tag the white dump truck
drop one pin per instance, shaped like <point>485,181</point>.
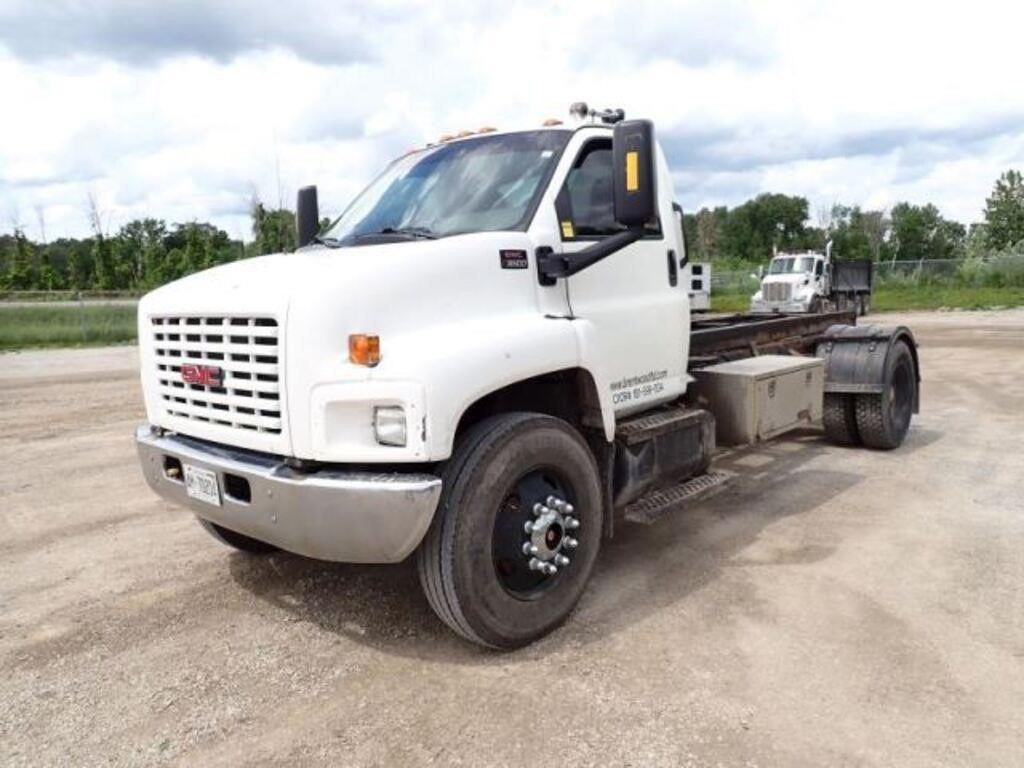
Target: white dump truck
<point>814,282</point>
<point>488,363</point>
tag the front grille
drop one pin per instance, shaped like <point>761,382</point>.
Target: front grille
<point>244,348</point>
<point>777,291</point>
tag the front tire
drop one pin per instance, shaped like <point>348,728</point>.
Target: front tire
<point>474,564</point>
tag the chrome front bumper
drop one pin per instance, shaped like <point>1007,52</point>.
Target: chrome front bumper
<point>353,517</point>
<point>769,307</point>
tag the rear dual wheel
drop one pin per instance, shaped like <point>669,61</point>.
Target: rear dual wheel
<point>879,420</point>
<point>840,419</point>
<point>884,419</point>
<point>517,530</point>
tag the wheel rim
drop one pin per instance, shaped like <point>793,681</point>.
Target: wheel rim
<point>534,538</point>
<point>901,397</point>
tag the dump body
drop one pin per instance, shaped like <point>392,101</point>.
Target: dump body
<point>853,276</point>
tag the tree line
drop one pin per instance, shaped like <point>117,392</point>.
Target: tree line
<point>142,254</point>
<point>752,231</point>
<point>148,252</point>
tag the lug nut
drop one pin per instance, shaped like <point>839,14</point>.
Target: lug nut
<point>529,549</point>
<point>568,508</point>
<point>571,543</point>
<point>528,527</point>
<point>539,509</point>
<point>561,560</point>
<point>571,523</point>
<point>550,569</point>
<point>536,565</point>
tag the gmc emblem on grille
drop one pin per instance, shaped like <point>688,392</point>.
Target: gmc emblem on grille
<point>205,375</point>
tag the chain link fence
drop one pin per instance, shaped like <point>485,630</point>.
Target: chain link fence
<point>996,271</point>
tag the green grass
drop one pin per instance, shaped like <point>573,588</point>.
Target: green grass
<point>731,301</point>
<point>893,298</point>
<point>72,325</point>
<point>65,325</point>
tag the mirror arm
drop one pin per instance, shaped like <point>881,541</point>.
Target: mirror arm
<point>554,265</point>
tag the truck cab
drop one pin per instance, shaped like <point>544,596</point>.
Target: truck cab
<point>484,360</point>
<point>793,282</point>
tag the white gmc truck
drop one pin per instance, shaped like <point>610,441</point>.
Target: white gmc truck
<point>487,361</point>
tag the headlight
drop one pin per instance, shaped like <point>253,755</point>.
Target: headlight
<point>389,425</point>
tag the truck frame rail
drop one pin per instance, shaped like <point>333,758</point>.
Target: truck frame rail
<point>719,338</point>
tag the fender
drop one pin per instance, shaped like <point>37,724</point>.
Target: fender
<point>499,351</point>
<point>856,357</point>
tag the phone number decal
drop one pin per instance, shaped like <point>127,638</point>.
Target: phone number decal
<point>638,387</point>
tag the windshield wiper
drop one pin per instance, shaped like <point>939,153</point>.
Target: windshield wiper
<point>330,242</point>
<point>417,233</point>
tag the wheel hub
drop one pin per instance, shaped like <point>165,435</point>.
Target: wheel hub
<point>549,535</point>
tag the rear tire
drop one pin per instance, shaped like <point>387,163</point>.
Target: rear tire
<point>237,540</point>
<point>840,419</point>
<point>471,563</point>
<point>884,419</point>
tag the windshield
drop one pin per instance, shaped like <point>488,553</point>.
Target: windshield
<point>484,184</point>
<point>791,265</point>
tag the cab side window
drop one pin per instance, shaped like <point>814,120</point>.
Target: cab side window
<point>585,201</point>
<point>585,204</point>
<point>819,268</point>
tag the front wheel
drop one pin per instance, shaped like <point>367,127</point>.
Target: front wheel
<point>517,531</point>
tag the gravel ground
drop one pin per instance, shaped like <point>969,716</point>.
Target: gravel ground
<point>834,607</point>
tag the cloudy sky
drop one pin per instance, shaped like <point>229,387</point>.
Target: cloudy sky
<point>182,110</point>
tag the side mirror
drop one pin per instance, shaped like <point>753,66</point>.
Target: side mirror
<point>307,216</point>
<point>635,187</point>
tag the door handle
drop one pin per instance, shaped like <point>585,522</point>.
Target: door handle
<point>673,269</point>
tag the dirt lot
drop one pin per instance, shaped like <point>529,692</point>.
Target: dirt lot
<point>835,607</point>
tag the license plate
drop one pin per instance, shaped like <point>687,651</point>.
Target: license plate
<point>201,484</point>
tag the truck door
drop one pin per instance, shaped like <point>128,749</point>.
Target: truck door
<point>631,308</point>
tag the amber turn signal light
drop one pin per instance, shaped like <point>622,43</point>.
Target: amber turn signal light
<point>364,349</point>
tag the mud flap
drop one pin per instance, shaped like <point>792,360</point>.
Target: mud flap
<point>856,358</point>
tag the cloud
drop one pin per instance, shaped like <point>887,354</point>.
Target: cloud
<point>687,33</point>
<point>143,32</point>
<point>746,149</point>
<point>182,110</point>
